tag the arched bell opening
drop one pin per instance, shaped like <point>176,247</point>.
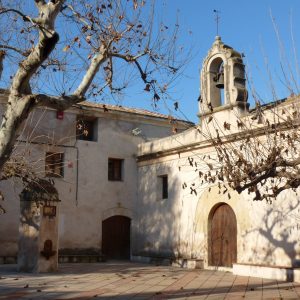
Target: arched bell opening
<point>217,82</point>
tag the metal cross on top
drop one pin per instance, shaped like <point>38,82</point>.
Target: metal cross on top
<point>217,19</point>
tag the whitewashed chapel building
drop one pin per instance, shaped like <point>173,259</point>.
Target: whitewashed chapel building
<point>128,189</point>
<point>191,219</point>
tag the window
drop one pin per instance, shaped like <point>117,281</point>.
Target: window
<point>164,186</point>
<point>115,169</point>
<point>86,129</point>
<point>54,166</point>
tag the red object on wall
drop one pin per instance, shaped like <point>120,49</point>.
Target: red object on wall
<point>60,115</point>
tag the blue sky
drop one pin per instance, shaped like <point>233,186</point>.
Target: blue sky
<point>244,25</point>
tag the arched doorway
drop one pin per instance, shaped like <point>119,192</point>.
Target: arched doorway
<point>116,237</point>
<point>222,236</point>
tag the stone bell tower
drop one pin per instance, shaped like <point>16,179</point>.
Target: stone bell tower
<point>223,82</point>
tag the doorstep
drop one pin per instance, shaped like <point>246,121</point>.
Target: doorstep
<point>268,272</point>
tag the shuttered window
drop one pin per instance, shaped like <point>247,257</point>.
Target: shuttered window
<point>54,164</point>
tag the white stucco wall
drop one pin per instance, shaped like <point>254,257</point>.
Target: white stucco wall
<point>267,234</point>
<point>87,196</point>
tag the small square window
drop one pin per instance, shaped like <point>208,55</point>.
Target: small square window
<point>115,169</point>
<point>54,164</point>
<point>164,186</point>
<point>86,129</point>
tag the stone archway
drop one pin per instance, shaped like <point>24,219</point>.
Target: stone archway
<point>222,236</point>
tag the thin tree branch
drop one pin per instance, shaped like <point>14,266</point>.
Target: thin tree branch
<point>14,49</point>
<point>129,58</point>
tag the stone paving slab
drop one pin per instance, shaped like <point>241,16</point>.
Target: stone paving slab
<point>125,281</point>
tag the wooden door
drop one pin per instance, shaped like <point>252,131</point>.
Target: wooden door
<point>223,237</point>
<point>116,237</point>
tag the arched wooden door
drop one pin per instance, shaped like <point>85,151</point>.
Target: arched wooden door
<point>116,237</point>
<point>222,250</point>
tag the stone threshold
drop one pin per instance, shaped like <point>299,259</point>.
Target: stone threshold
<point>219,268</point>
<point>269,272</point>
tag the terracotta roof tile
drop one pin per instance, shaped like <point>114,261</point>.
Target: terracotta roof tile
<point>120,108</point>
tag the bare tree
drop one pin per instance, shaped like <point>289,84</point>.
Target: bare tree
<point>258,153</point>
<point>54,53</point>
<point>255,150</point>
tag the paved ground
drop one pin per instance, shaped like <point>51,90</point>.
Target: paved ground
<point>119,280</point>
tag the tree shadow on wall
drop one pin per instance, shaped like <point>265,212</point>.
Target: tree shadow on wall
<point>280,226</point>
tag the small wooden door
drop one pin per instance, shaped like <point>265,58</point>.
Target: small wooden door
<point>222,237</point>
<point>116,237</point>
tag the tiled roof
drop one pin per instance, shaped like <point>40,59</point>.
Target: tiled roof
<point>119,108</point>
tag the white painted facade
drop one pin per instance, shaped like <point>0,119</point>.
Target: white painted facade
<point>87,196</point>
<point>163,227</point>
<point>179,227</point>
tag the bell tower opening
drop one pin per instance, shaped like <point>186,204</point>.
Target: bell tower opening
<point>223,82</point>
<point>216,82</point>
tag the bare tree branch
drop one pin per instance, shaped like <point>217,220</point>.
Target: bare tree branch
<point>96,62</point>
<point>2,56</point>
<point>101,33</point>
<point>14,49</point>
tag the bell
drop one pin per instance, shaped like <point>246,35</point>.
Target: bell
<point>219,79</point>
